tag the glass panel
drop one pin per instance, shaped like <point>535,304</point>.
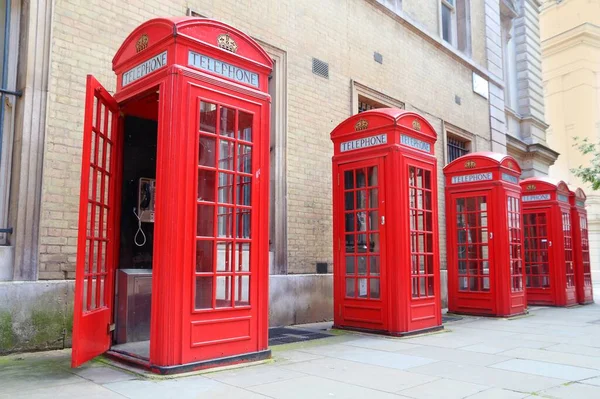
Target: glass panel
<point>226,154</point>
<point>362,288</point>
<point>361,200</point>
<point>204,289</point>
<point>372,176</point>
<point>430,290</point>
<point>373,220</point>
<point>225,221</point>
<point>360,178</point>
<point>373,198</point>
<point>374,288</point>
<point>223,297</point>
<point>224,256</point>
<point>244,158</point>
<point>446,24</point>
<point>374,242</point>
<point>462,283</point>
<point>374,265</point>
<point>244,126</point>
<point>349,222</point>
<point>362,265</point>
<point>243,257</point>
<point>244,190</point>
<point>243,217</point>
<point>350,247</point>
<point>486,284</point>
<point>473,283</point>
<point>350,287</point>
<point>208,117</point>
<point>242,297</point>
<point>350,266</point>
<point>349,201</point>
<point>205,221</point>
<point>349,179</point>
<point>226,121</point>
<point>204,256</point>
<point>206,152</point>
<point>226,188</point>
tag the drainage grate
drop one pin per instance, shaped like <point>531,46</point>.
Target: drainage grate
<point>320,68</point>
<point>287,335</point>
<point>448,319</point>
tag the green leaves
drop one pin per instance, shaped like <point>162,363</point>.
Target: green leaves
<point>590,173</point>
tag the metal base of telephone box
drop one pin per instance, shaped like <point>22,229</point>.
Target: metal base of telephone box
<point>134,297</point>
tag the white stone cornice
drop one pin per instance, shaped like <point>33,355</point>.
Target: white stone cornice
<point>585,33</point>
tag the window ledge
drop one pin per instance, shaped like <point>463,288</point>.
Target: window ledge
<point>416,27</point>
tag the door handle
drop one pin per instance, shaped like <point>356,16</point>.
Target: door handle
<point>549,243</point>
<point>382,220</point>
<point>491,235</point>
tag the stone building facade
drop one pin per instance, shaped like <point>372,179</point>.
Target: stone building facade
<point>570,34</point>
<point>446,59</point>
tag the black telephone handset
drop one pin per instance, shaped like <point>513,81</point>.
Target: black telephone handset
<point>145,202</point>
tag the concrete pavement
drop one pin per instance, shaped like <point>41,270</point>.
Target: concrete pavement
<point>552,352</point>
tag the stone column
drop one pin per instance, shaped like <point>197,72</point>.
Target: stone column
<point>32,80</point>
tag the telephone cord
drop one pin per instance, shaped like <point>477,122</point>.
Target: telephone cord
<point>135,238</point>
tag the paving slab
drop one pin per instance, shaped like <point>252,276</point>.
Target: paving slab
<point>575,349</point>
<point>497,393</point>
<point>103,375</point>
<point>592,381</point>
<point>293,356</point>
<point>572,391</point>
<point>319,388</point>
<point>456,355</point>
<point>27,380</point>
<point>254,375</point>
<point>364,375</point>
<point>492,377</point>
<point>85,389</point>
<point>555,357</point>
<point>546,369</point>
<point>444,388</point>
<point>382,344</point>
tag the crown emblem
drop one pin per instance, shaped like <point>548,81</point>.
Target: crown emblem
<point>510,165</point>
<point>361,125</point>
<point>142,43</point>
<point>470,164</point>
<point>530,187</point>
<point>226,42</point>
<point>416,125</point>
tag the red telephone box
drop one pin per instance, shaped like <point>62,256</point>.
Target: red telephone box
<point>484,236</point>
<point>581,246</point>
<point>548,242</point>
<point>386,267</point>
<point>175,183</point>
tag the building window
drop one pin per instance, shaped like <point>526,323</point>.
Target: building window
<point>394,5</point>
<point>365,104</point>
<point>365,98</point>
<point>193,13</point>
<point>456,24</point>
<point>457,147</point>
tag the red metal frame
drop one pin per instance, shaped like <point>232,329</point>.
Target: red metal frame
<point>484,235</point>
<point>385,222</point>
<point>187,332</point>
<point>548,243</point>
<point>581,245</point>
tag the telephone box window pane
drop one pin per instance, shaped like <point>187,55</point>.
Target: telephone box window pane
<point>204,256</point>
<point>205,221</point>
<point>206,185</point>
<point>462,284</point>
<point>373,220</point>
<point>204,292</point>
<point>372,177</point>
<point>226,154</point>
<point>244,158</point>
<point>374,268</point>
<point>224,256</point>
<point>362,265</point>
<point>244,190</point>
<point>360,178</point>
<point>473,284</point>
<point>225,218</point>
<point>226,121</point>
<point>226,188</point>
<point>350,287</point>
<point>350,247</point>
<point>486,284</point>
<point>374,288</point>
<point>349,201</point>
<point>242,297</point>
<point>243,257</point>
<point>350,266</point>
<point>373,198</point>
<point>243,217</point>
<point>361,200</point>
<point>374,242</point>
<point>208,117</point>
<point>245,126</point>
<point>349,219</point>
<point>349,179</point>
<point>462,267</point>
<point>361,221</point>
<point>206,152</point>
<point>362,288</point>
<point>223,294</point>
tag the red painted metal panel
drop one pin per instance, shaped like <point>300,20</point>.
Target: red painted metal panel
<point>581,246</point>
<point>403,294</point>
<point>96,239</point>
<point>484,235</point>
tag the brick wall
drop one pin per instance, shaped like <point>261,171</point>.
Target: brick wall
<point>343,33</point>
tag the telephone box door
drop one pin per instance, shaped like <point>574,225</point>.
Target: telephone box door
<point>537,256</point>
<point>361,242</point>
<point>472,254</point>
<point>95,263</point>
